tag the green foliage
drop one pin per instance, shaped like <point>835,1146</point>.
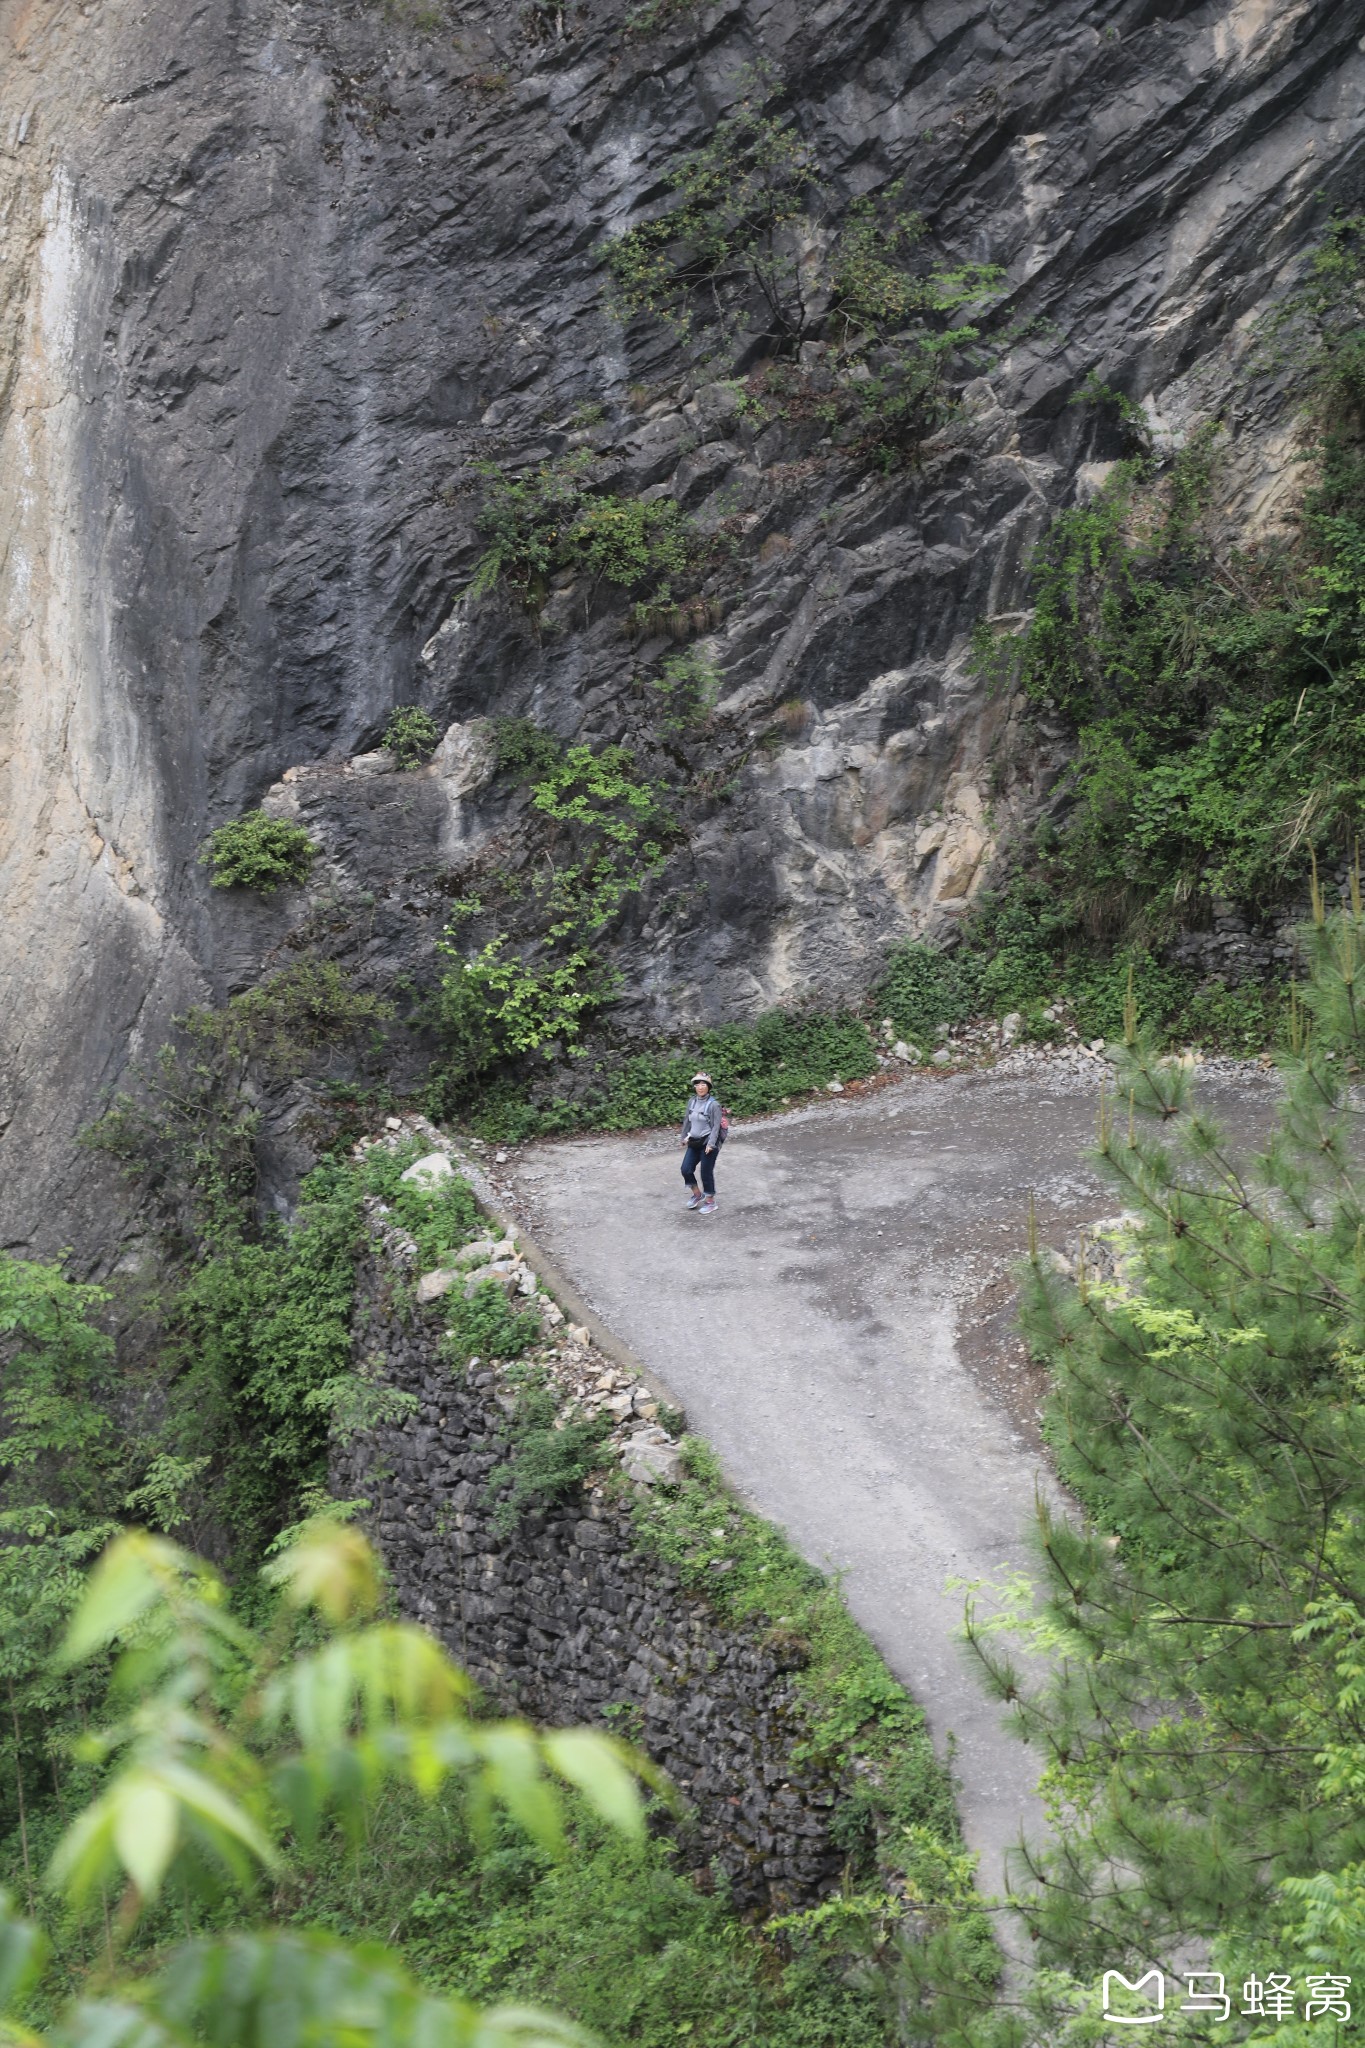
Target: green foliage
<point>64,1472</point>
<point>758,1067</point>
<point>227,1763</point>
<point>437,1218</point>
<point>685,691</point>
<point>755,241</point>
<point>524,750</point>
<point>264,1328</point>
<point>411,735</point>
<point>925,989</point>
<point>612,1933</point>
<point>1204,1624</point>
<point>188,1134</point>
<point>554,520</point>
<point>545,1462</point>
<point>728,234</point>
<point>1214,692</point>
<point>487,1326</point>
<point>258,852</point>
<point>294,1022</point>
<point>1019,952</point>
<point>496,1003</point>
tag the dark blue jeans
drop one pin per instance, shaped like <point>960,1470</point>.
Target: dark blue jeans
<point>698,1154</point>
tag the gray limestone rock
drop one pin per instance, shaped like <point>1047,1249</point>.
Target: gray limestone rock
<point>278,278</point>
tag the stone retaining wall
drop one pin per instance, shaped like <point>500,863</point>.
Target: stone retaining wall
<point>567,1619</point>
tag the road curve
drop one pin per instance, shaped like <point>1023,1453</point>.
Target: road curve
<point>840,1331</point>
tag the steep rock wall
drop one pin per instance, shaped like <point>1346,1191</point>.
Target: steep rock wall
<point>277,275</point>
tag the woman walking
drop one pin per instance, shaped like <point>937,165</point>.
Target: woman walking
<point>700,1137</point>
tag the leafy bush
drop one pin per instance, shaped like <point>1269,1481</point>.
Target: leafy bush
<point>1214,692</point>
<point>487,1326</point>
<point>294,1022</point>
<point>924,990</point>
<point>411,735</point>
<point>264,1328</point>
<point>554,519</point>
<point>258,852</point>
<point>498,1002</point>
<point>545,1462</point>
<point>435,1218</point>
<point>686,691</point>
<point>523,749</point>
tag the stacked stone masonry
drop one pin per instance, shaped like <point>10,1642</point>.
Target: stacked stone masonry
<point>568,1620</point>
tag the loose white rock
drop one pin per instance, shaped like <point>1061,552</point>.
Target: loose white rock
<point>430,1171</point>
<point>432,1286</point>
<point>478,1253</point>
<point>943,1058</point>
<point>393,1123</point>
<point>834,1087</point>
<point>651,1464</point>
<point>1011,1026</point>
<point>526,1283</point>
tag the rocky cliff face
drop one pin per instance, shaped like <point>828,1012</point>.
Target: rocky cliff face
<point>278,273</point>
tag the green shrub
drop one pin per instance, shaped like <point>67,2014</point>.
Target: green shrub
<point>487,1326</point>
<point>524,750</point>
<point>613,1933</point>
<point>545,1463</point>
<point>294,1022</point>
<point>437,1218</point>
<point>411,736</point>
<point>520,993</point>
<point>257,852</point>
<point>685,690</point>
<point>924,990</point>
<point>554,519</point>
<point>1213,692</point>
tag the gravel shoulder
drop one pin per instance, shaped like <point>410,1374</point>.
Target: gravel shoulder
<point>841,1332</point>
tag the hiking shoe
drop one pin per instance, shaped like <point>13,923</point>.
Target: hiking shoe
<point>694,1200</point>
<point>708,1206</point>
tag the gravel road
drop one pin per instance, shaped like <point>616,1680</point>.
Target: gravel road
<point>841,1330</point>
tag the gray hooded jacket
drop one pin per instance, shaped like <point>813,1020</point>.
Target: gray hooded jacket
<point>707,1110</point>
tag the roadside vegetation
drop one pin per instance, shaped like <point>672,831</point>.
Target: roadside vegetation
<point>249,1375</point>
<point>1204,1623</point>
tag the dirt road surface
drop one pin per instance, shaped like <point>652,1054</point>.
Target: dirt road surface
<point>841,1331</point>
